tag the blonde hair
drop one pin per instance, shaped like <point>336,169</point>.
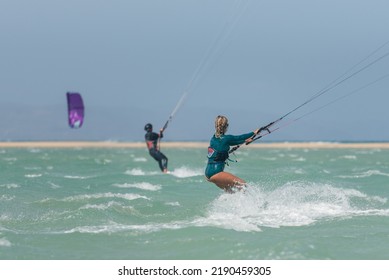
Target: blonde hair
<point>221,125</point>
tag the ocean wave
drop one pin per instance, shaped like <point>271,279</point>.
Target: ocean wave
<point>5,197</point>
<point>5,243</point>
<point>127,196</point>
<point>87,197</point>
<point>140,172</point>
<point>34,150</point>
<point>294,204</point>
<point>135,172</point>
<point>176,203</point>
<point>366,174</point>
<point>186,172</point>
<point>11,160</point>
<point>76,177</point>
<point>10,186</point>
<point>351,157</point>
<point>114,228</point>
<point>102,206</point>
<point>33,175</point>
<point>143,186</point>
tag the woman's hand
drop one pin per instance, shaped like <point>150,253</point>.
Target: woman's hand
<point>249,140</point>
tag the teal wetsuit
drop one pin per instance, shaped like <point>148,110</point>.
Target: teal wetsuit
<point>218,151</point>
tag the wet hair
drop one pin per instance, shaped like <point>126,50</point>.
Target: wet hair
<point>221,125</point>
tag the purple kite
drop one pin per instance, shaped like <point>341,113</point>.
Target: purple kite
<point>75,109</point>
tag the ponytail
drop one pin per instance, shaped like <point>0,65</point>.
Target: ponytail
<point>221,125</point>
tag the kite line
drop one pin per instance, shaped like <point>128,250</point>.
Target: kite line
<point>214,51</point>
<point>352,72</point>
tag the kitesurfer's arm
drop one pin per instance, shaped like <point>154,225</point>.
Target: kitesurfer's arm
<point>238,139</point>
<point>250,139</point>
<point>161,133</point>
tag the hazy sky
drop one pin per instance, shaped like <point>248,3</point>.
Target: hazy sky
<point>132,60</point>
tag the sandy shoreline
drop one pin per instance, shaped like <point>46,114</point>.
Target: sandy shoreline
<point>278,145</point>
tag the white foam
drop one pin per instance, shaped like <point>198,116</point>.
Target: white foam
<point>368,173</point>
<point>186,172</point>
<point>10,159</point>
<point>127,196</point>
<point>294,204</point>
<point>10,186</point>
<point>33,175</point>
<point>4,243</point>
<point>77,177</point>
<point>143,186</point>
<point>113,228</point>
<point>54,186</point>
<point>140,159</point>
<point>299,159</point>
<point>352,157</point>
<point>5,197</point>
<point>102,206</point>
<point>136,172</point>
<point>176,203</point>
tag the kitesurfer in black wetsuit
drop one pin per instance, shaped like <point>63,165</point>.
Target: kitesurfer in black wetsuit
<point>152,144</point>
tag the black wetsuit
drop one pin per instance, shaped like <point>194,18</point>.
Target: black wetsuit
<point>152,144</point>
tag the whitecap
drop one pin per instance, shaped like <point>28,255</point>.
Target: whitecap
<point>352,157</point>
<point>13,159</point>
<point>32,175</point>
<point>294,204</point>
<point>4,243</point>
<point>135,172</point>
<point>140,159</point>
<point>5,197</point>
<point>301,159</point>
<point>143,186</point>
<point>127,196</point>
<point>185,172</point>
<point>114,228</point>
<point>10,186</point>
<point>176,203</point>
<point>54,186</point>
<point>77,177</point>
<point>365,174</point>
<point>102,206</point>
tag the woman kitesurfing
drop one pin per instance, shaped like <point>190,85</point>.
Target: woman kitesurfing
<point>218,153</point>
<point>219,149</point>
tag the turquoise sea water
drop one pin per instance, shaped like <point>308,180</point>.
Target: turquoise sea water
<point>113,203</point>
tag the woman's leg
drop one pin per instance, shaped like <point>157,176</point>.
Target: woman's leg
<point>227,181</point>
